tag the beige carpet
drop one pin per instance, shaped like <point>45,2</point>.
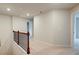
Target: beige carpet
<point>43,48</point>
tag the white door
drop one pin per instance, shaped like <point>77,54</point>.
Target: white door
<point>76,31</point>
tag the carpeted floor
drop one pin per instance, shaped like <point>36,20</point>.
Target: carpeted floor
<point>43,48</point>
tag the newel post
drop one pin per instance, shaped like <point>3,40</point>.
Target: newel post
<point>18,37</point>
<point>28,48</point>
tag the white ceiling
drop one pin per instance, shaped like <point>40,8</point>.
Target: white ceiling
<point>20,9</point>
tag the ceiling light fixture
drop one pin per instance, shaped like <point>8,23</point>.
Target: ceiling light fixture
<point>28,14</point>
<point>8,9</point>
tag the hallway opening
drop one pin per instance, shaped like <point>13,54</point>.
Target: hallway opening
<point>76,30</point>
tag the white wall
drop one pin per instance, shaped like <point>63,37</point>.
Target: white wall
<point>7,25</point>
<point>17,50</point>
<point>53,27</point>
<point>19,24</point>
<point>5,34</point>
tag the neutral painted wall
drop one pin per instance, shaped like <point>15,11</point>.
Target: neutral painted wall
<point>7,25</point>
<point>5,34</point>
<point>53,27</point>
<point>19,24</point>
<point>17,50</point>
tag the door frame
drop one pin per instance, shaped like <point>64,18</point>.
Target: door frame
<point>73,28</point>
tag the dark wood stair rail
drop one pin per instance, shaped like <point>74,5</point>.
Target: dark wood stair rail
<point>28,48</point>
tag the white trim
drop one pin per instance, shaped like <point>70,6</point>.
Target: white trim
<point>72,30</point>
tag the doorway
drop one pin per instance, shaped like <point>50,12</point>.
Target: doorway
<point>76,31</point>
<point>30,27</point>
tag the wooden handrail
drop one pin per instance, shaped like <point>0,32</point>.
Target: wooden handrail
<point>28,48</point>
<point>21,32</point>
